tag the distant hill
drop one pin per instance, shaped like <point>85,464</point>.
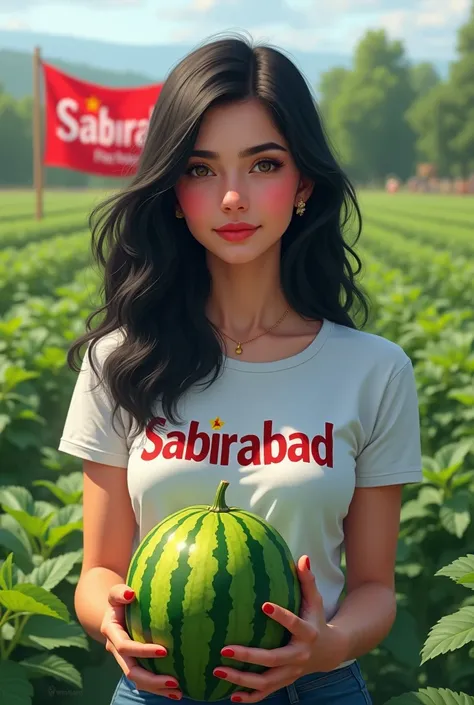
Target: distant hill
<point>16,73</point>
<point>126,65</point>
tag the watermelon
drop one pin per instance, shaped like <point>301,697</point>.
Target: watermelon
<point>200,578</point>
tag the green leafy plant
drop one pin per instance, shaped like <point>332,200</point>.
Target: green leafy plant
<point>419,272</point>
<point>32,617</point>
<point>450,633</point>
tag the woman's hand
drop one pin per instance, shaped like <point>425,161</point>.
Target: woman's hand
<point>314,646</point>
<point>126,650</point>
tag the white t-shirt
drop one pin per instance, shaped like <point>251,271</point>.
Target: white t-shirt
<point>293,437</point>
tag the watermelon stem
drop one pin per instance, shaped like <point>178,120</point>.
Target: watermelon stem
<point>219,501</point>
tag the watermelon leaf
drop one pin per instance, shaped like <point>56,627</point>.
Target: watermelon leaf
<point>53,666</point>
<point>32,599</point>
<point>6,573</point>
<point>455,516</point>
<point>469,578</point>
<point>42,632</point>
<point>68,488</point>
<point>458,569</point>
<point>53,570</point>
<point>432,696</point>
<point>450,633</point>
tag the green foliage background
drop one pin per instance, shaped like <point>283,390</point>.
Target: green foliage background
<point>418,270</point>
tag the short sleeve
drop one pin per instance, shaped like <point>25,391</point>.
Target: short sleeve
<point>88,432</point>
<point>393,454</point>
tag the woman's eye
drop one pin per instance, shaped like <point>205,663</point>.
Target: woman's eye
<point>196,167</point>
<point>269,164</point>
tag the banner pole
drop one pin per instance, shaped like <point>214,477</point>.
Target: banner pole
<point>37,146</point>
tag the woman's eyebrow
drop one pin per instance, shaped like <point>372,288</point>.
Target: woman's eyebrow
<point>250,151</point>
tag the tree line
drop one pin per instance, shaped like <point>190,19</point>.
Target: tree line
<point>383,116</point>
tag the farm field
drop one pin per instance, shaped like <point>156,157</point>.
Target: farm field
<point>418,269</point>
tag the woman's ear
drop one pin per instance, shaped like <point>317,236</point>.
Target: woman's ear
<point>305,189</point>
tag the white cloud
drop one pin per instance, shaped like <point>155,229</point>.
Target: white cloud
<point>204,5</point>
<point>224,13</point>
<point>431,19</point>
<point>183,35</point>
<point>15,25</point>
<point>19,5</point>
<point>396,22</point>
<point>309,39</point>
<point>301,23</point>
<point>460,6</point>
<point>426,27</point>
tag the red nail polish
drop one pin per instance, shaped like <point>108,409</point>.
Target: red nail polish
<point>220,674</point>
<point>160,652</point>
<point>128,594</point>
<point>236,699</point>
<point>171,684</point>
<point>173,696</point>
<point>228,652</point>
<point>308,564</point>
<point>268,609</point>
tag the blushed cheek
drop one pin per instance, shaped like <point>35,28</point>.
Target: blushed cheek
<point>277,197</point>
<point>193,202</point>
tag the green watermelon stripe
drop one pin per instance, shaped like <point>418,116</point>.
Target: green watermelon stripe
<point>285,556</point>
<point>221,585</point>
<point>240,626</point>
<point>152,535</point>
<point>199,600</point>
<point>132,611</point>
<point>148,575</point>
<point>261,583</point>
<point>178,581</point>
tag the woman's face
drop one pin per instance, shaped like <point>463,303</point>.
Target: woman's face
<point>232,186</point>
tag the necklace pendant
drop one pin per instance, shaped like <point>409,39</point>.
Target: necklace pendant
<point>238,349</point>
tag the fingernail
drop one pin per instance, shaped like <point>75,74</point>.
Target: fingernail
<point>268,609</point>
<point>220,674</point>
<point>236,699</point>
<point>128,594</point>
<point>228,652</point>
<point>160,652</point>
<point>173,696</point>
<point>308,564</point>
<point>171,684</point>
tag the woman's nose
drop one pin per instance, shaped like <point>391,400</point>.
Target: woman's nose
<point>233,200</point>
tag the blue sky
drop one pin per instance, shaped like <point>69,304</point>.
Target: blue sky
<point>427,27</point>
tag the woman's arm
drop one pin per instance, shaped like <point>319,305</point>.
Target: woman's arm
<point>371,529</point>
<point>109,526</point>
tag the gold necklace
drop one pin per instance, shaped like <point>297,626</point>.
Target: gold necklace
<point>239,349</point>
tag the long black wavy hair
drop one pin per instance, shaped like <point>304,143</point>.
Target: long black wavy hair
<point>156,281</point>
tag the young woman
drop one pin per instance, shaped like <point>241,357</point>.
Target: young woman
<point>229,295</point>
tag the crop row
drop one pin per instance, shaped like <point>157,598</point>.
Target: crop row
<point>422,299</point>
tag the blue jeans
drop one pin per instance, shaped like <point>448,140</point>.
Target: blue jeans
<point>343,686</point>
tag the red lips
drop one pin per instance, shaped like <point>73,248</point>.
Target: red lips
<point>236,227</point>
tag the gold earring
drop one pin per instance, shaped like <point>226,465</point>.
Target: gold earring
<point>179,213</point>
<point>300,207</point>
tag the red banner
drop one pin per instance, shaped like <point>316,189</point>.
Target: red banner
<point>93,128</point>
